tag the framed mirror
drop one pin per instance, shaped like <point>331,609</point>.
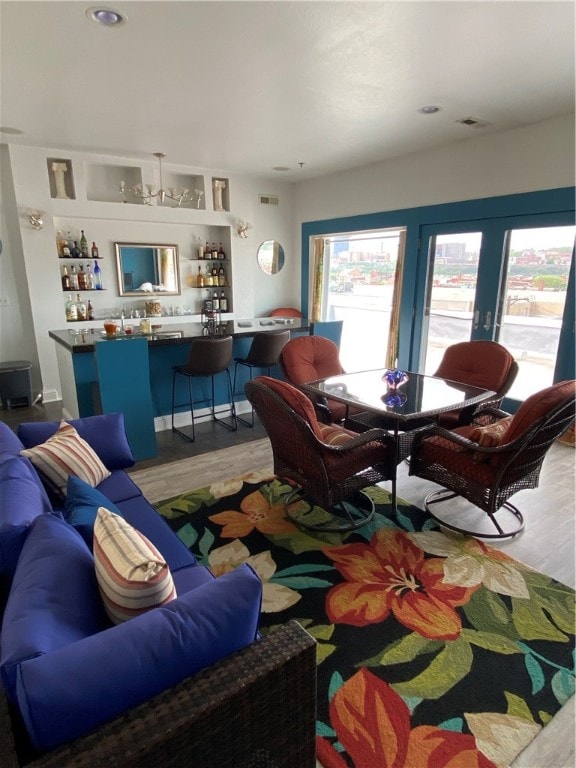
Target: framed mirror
<point>147,269</point>
<point>270,257</point>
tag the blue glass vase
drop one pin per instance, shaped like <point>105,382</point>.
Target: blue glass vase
<point>394,378</point>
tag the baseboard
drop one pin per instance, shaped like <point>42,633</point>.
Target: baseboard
<point>183,419</point>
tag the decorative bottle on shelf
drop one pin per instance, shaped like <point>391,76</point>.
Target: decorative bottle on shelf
<point>75,250</point>
<point>97,276</point>
<point>223,302</point>
<point>83,245</point>
<point>65,250</point>
<point>65,280</point>
<point>214,251</point>
<point>94,251</point>
<point>90,310</point>
<point>221,276</point>
<point>221,254</point>
<point>73,278</point>
<point>69,240</point>
<point>80,308</point>
<point>215,302</point>
<point>89,278</point>
<point>214,274</point>
<point>82,284</point>
<point>71,313</point>
<point>208,277</point>
<point>200,278</point>
<point>60,243</point>
<point>207,250</point>
<point>200,250</point>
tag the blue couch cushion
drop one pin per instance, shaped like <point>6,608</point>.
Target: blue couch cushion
<point>23,499</point>
<point>72,691</point>
<point>81,506</point>
<point>142,515</point>
<point>190,577</point>
<point>119,487</point>
<point>10,444</point>
<point>104,433</point>
<point>54,600</point>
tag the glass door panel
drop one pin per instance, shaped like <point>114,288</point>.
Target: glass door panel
<point>450,295</point>
<point>532,302</point>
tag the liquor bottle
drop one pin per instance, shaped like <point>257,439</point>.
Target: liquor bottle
<point>94,251</point>
<point>69,241</point>
<point>215,302</point>
<point>82,284</point>
<point>97,276</point>
<point>221,276</point>
<point>60,243</point>
<point>208,277</point>
<point>89,278</point>
<point>214,251</point>
<point>200,278</point>
<point>80,308</point>
<point>90,310</point>
<point>65,280</point>
<point>207,250</point>
<point>71,313</point>
<point>83,245</point>
<point>221,254</point>
<point>73,278</point>
<point>214,274</point>
<point>223,302</point>
<point>200,250</point>
<point>75,250</point>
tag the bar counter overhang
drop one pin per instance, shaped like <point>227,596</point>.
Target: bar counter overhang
<point>133,373</point>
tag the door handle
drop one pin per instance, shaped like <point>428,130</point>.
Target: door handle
<point>488,321</point>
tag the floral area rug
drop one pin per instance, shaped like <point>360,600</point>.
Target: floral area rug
<point>433,650</point>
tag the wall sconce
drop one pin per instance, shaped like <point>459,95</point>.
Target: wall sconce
<point>242,228</point>
<point>36,219</point>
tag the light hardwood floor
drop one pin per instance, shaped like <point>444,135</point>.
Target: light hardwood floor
<point>547,543</point>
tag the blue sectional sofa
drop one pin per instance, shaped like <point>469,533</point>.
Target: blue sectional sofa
<point>188,683</point>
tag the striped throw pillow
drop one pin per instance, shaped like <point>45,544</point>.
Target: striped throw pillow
<point>64,454</point>
<point>132,575</point>
<point>334,436</point>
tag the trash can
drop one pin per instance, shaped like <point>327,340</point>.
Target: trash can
<point>15,384</point>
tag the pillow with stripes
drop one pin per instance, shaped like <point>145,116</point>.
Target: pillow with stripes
<point>132,575</point>
<point>65,454</point>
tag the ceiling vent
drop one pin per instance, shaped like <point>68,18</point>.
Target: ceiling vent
<point>268,199</point>
<point>473,122</point>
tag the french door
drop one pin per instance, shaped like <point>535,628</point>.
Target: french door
<point>510,280</point>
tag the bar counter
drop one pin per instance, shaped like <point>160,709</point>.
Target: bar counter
<point>133,373</point>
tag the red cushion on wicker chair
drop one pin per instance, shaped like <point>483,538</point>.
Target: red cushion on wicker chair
<point>491,435</point>
<point>297,400</point>
<point>483,364</point>
<point>457,458</point>
<point>538,405</point>
<point>332,435</point>
<point>307,358</point>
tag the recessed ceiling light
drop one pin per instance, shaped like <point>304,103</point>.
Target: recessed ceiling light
<point>429,109</point>
<point>280,168</point>
<point>108,17</point>
<point>12,131</point>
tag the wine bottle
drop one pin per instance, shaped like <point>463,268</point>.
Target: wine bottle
<point>83,244</point>
<point>65,280</point>
<point>94,251</point>
<point>97,276</point>
<point>200,278</point>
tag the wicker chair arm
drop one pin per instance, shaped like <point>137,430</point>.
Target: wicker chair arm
<point>256,707</point>
<point>363,438</point>
<point>471,444</point>
<point>487,415</point>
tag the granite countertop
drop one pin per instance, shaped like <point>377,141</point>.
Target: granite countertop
<point>77,340</point>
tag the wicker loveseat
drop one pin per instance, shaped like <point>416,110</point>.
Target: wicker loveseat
<point>247,702</point>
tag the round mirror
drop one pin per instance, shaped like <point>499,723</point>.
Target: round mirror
<point>270,257</point>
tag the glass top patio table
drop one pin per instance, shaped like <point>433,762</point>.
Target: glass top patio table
<point>421,396</point>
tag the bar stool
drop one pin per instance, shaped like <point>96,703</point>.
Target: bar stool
<point>206,357</point>
<point>263,353</point>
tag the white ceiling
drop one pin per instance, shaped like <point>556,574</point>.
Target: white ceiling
<point>246,86</point>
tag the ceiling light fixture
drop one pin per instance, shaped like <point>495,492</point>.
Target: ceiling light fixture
<point>429,109</point>
<point>107,17</point>
<point>147,194</point>
<point>242,228</point>
<point>35,218</point>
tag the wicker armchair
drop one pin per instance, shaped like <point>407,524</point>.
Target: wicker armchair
<point>491,459</point>
<point>329,465</point>
<point>482,363</point>
<point>254,709</point>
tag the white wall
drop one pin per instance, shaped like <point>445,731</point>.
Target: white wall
<point>30,273</point>
<point>527,159</point>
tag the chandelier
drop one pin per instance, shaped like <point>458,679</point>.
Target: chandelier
<point>147,192</point>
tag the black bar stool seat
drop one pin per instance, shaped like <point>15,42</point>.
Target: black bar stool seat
<point>206,357</point>
<point>263,354</point>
